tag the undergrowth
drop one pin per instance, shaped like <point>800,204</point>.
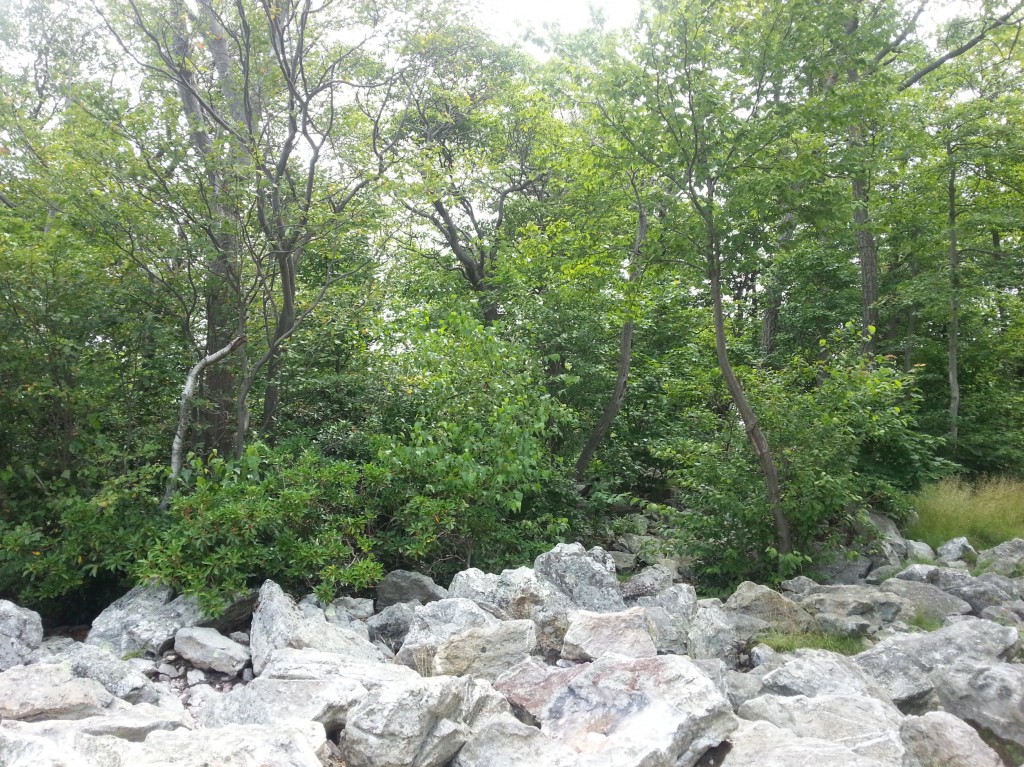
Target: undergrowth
<point>787,642</point>
<point>987,512</point>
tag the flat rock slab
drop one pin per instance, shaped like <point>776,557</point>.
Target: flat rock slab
<point>207,648</point>
<point>50,691</point>
<point>929,601</point>
<point>939,739</point>
<point>270,701</point>
<point>762,744</point>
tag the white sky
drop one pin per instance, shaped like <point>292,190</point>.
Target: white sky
<point>509,19</point>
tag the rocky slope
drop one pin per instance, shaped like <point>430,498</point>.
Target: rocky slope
<point>559,665</point>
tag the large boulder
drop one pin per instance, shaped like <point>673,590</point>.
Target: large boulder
<point>486,652</point>
<point>587,578</point>
<point>271,701</point>
<point>902,664</point>
<point>590,635</point>
<point>867,726</point>
<point>818,672</point>
<point>724,634</point>
<point>406,586</point>
<point>957,549</point>
<point>669,614</point>
<point>506,742</point>
<point>277,622</point>
<point>1006,559</point>
<point>21,633</point>
<point>864,602</point>
<point>118,677</point>
<point>986,694</point>
<point>929,601</point>
<point>144,620</point>
<point>433,624</point>
<point>763,744</point>
<point>207,648</point>
<point>770,606</point>
<point>50,691</point>
<point>939,739</point>
<point>979,594</point>
<point>618,711</point>
<point>422,723</point>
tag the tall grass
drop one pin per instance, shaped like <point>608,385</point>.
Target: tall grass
<point>987,512</point>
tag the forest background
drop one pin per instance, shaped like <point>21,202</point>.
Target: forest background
<point>310,290</point>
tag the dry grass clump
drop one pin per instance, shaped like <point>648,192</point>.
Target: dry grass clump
<point>988,512</point>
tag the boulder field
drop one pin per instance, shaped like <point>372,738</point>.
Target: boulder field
<point>558,665</point>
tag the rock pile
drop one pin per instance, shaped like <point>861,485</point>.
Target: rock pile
<point>559,665</point>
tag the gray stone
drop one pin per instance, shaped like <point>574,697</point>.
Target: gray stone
<point>519,594</point>
<point>21,634</point>
<point>436,622</point>
<point>118,677</point>
<point>1001,582</point>
<point>919,573</point>
<point>939,739</point>
<point>660,712</point>
<point>241,637</point>
<point>741,686</point>
<point>145,619</point>
<point>867,602</point>
<point>668,617</point>
<point>648,549</point>
<point>624,561</point>
<point>980,594</point>
<point>169,671</point>
<point>391,624</point>
<point>1004,614</point>
<point>270,701</point>
<point>591,635</point>
<point>882,574</point>
<point>762,744</point>
<point>891,545</point>
<point>801,585</point>
<point>987,694</point>
<point>407,586</point>
<point>1006,559</point>
<point>770,606</point>
<point>929,602</point>
<point>195,676</point>
<point>723,634</point>
<point>867,726</point>
<point>843,570</point>
<point>956,549</point>
<point>921,551</point>
<point>902,664</point>
<point>846,625</point>
<point>486,652</point>
<point>277,623</point>
<point>648,582</point>
<point>289,663</point>
<point>359,608</point>
<point>205,648</point>
<point>418,724</point>
<point>506,742</point>
<point>587,578</point>
<point>50,691</point>
<point>812,673</point>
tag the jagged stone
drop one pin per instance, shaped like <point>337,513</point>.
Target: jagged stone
<point>587,578</point>
<point>843,570</point>
<point>669,614</point>
<point>624,561</point>
<point>987,694</point>
<point>956,549</point>
<point>919,550</point>
<point>277,622</point>
<point>21,634</point>
<point>800,585</point>
<point>486,652</point>
<point>359,608</point>
<point>145,619</point>
<point>590,635</point>
<point>770,606</point>
<point>818,672</point>
<point>417,724</point>
<point>50,691</point>
<point>929,602</point>
<point>867,726</point>
<point>902,664</point>
<point>270,701</point>
<point>206,648</point>
<point>723,634</point>
<point>648,582</point>
<point>980,594</point>
<point>865,602</point>
<point>891,545</point>
<point>741,686</point>
<point>406,586</point>
<point>939,739</point>
<point>1006,559</point>
<point>391,625</point>
<point>762,744</point>
<point>506,742</point>
<point>118,677</point>
<point>433,624</point>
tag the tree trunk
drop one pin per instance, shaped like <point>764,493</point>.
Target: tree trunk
<point>758,442</point>
<point>954,307</point>
<point>867,252</point>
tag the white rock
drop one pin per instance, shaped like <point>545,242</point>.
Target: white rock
<point>21,633</point>
<point>206,648</point>
<point>762,744</point>
<point>939,739</point>
<point>591,635</point>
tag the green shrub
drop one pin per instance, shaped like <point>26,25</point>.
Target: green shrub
<point>987,512</point>
<point>783,642</point>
